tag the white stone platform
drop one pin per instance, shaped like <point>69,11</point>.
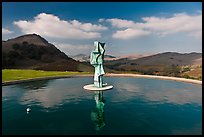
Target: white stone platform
<point>92,87</point>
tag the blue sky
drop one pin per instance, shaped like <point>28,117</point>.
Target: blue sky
<point>126,27</point>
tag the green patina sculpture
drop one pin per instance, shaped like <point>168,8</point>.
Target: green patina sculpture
<point>96,59</point>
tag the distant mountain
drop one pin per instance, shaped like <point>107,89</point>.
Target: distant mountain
<point>133,56</point>
<point>34,52</point>
<point>86,58</point>
<point>109,56</point>
<point>168,63</point>
<point>167,58</point>
<point>81,57</point>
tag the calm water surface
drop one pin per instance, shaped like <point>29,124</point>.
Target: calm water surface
<point>133,106</point>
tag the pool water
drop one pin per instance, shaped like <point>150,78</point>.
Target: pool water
<point>139,106</point>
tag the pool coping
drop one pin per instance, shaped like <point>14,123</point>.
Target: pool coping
<point>107,74</point>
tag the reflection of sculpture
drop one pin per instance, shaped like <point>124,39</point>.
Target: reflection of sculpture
<point>96,59</point>
<point>98,115</point>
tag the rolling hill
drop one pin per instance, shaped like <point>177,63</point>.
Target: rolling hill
<point>168,63</point>
<point>31,51</point>
<point>34,52</point>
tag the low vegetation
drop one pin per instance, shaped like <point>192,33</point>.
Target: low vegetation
<point>190,72</point>
<point>17,74</point>
<point>170,64</point>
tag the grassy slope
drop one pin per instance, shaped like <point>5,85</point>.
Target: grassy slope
<point>17,74</point>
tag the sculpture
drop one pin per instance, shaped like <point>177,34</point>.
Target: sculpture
<point>96,60</point>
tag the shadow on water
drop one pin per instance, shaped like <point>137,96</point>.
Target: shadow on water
<point>34,84</point>
<point>97,116</point>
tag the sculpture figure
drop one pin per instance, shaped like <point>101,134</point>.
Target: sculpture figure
<point>96,59</point>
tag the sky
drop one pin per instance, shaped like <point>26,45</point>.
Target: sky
<point>127,28</point>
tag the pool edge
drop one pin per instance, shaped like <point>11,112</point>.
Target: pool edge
<point>107,74</point>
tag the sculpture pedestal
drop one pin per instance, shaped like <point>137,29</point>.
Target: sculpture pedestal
<point>93,88</point>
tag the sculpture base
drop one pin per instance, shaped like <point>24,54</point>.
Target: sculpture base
<point>92,87</point>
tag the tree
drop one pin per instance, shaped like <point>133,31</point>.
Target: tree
<point>4,60</point>
<point>13,54</point>
<point>25,43</point>
<point>16,46</point>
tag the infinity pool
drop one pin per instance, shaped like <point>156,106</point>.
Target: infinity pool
<point>138,106</point>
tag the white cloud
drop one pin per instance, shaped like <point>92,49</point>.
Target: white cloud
<point>73,49</point>
<point>130,33</point>
<point>181,22</point>
<point>87,26</point>
<point>120,23</point>
<point>178,23</point>
<point>52,26</point>
<point>72,46</point>
<point>6,31</point>
<point>101,20</point>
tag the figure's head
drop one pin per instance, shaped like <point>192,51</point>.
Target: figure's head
<point>96,45</point>
<point>102,44</point>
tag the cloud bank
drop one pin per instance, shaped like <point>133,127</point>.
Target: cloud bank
<point>52,26</point>
<point>161,26</point>
<point>6,31</point>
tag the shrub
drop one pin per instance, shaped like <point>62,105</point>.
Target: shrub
<point>25,43</point>
<point>13,54</point>
<point>186,76</point>
<point>16,46</point>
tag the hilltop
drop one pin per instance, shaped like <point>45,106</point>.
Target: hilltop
<point>32,51</point>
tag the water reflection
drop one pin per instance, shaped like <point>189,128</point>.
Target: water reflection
<point>159,91</point>
<point>97,116</point>
<point>48,94</point>
<point>193,130</point>
<point>141,101</point>
<point>34,85</point>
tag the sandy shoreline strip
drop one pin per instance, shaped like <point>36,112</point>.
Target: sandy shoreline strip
<point>107,74</point>
<point>157,77</point>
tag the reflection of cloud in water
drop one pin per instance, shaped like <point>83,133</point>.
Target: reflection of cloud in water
<point>195,130</point>
<point>7,92</point>
<point>18,90</point>
<point>128,87</point>
<point>166,93</point>
<point>175,96</point>
<point>54,94</point>
<point>131,89</point>
<point>10,92</point>
<point>46,98</point>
